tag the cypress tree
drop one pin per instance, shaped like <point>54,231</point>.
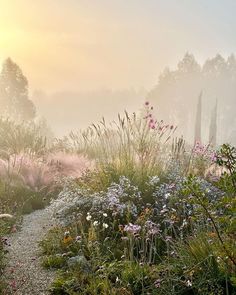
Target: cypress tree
<point>213,127</point>
<point>198,122</point>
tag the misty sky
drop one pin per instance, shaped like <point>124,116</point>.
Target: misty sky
<point>90,44</point>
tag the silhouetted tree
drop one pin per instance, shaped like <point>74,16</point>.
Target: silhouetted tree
<point>14,97</point>
<point>188,65</point>
<point>198,122</point>
<point>213,127</point>
<point>175,95</point>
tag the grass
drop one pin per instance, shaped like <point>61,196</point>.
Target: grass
<point>144,218</point>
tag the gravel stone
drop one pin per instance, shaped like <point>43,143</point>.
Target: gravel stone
<point>23,273</point>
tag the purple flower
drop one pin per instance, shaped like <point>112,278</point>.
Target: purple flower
<point>157,283</point>
<point>132,228</point>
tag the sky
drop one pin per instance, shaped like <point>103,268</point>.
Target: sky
<point>83,45</point>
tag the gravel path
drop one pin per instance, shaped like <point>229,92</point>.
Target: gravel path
<point>24,274</point>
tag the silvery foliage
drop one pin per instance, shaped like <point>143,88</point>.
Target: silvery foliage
<point>74,201</point>
<point>168,195</point>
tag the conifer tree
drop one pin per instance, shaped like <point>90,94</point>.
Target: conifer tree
<point>14,95</point>
<point>213,127</point>
<point>198,122</point>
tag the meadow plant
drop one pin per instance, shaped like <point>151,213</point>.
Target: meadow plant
<point>134,146</point>
<point>69,164</point>
<point>174,234</point>
<point>16,138</point>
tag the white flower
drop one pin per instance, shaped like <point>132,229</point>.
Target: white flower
<point>189,283</point>
<point>88,217</point>
<point>184,223</point>
<point>104,214</point>
<point>95,223</point>
<point>167,195</point>
<point>105,225</point>
<point>66,233</point>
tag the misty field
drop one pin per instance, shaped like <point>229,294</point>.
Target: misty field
<point>136,210</point>
<point>117,147</point>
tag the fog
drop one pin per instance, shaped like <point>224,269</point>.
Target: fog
<point>87,60</point>
<point>66,111</point>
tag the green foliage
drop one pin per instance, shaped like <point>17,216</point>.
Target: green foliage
<point>54,261</point>
<point>178,236</point>
<point>226,158</point>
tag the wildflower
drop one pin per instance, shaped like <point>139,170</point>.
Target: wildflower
<point>105,225</point>
<point>78,239</point>
<point>167,196</point>
<point>132,228</point>
<point>168,238</point>
<point>141,263</point>
<point>88,217</point>
<point>104,214</point>
<point>67,238</point>
<point>154,180</point>
<point>121,228</point>
<point>184,223</point>
<point>95,223</point>
<point>152,228</point>
<point>212,234</point>
<point>157,283</point>
<point>189,283</point>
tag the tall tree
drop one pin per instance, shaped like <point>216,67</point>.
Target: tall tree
<point>213,127</point>
<point>188,65</point>
<point>198,123</point>
<point>177,93</point>
<point>14,95</point>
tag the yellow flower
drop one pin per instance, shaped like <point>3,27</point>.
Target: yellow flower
<point>67,239</point>
<point>212,234</point>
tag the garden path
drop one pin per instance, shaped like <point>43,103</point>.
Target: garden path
<point>24,274</point>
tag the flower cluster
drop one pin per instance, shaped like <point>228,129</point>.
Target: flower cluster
<point>119,199</point>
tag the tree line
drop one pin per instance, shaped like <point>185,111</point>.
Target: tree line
<point>177,91</point>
